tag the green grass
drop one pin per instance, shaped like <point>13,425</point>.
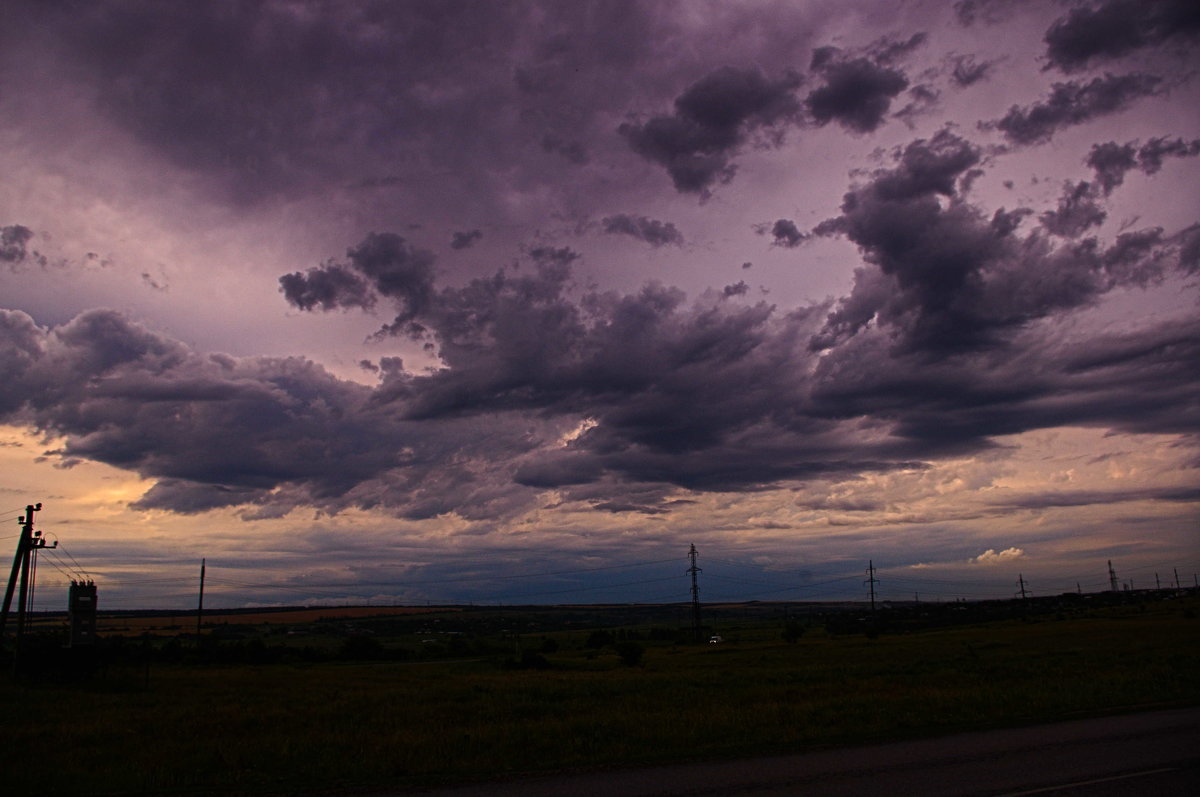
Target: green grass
<point>328,725</point>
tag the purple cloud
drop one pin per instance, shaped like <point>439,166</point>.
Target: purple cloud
<point>712,120</point>
<point>652,231</point>
<point>1074,103</point>
<point>1111,161</point>
<point>857,92</point>
<point>1109,30</point>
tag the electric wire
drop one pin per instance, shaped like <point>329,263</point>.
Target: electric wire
<point>56,566</point>
<point>63,548</point>
<point>54,552</point>
<point>72,574</point>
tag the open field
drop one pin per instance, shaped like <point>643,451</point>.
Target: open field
<point>469,708</point>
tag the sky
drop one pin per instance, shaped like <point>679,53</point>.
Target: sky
<point>493,302</point>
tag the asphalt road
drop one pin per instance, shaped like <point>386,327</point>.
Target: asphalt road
<point>1151,753</point>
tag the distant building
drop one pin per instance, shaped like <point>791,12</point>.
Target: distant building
<point>81,613</point>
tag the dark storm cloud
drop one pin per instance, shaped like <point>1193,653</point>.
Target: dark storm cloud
<point>1111,160</point>
<point>327,287</point>
<point>127,397</point>
<point>1074,103</point>
<point>888,50</point>
<point>924,101</point>
<point>785,233</point>
<point>711,122</point>
<point>1150,156</point>
<point>465,239</point>
<point>556,256</point>
<point>213,430</point>
<point>857,92</point>
<point>954,403</point>
<point>707,395</point>
<point>1189,249</point>
<point>268,100</point>
<point>1077,211</point>
<point>383,265</point>
<point>1108,30</point>
<point>13,241</point>
<point>652,231</point>
<point>717,396</point>
<point>944,277</point>
<point>989,12</point>
<point>966,71</point>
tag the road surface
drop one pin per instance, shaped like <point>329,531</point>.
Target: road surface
<point>1154,753</point>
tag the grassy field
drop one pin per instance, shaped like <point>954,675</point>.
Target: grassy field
<point>341,725</point>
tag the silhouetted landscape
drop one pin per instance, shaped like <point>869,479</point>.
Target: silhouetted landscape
<point>465,394</point>
<point>362,697</point>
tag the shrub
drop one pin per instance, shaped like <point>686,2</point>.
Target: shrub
<point>630,652</point>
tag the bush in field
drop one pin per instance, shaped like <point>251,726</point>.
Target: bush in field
<point>630,652</point>
<point>361,647</point>
<point>599,639</point>
<point>792,631</point>
<point>528,661</point>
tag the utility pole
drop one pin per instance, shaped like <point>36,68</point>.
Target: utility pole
<point>1021,584</point>
<point>23,543</point>
<point>1157,585</point>
<point>28,543</point>
<point>200,604</point>
<point>1112,578</point>
<point>872,581</point>
<point>693,570</point>
<point>1176,569</point>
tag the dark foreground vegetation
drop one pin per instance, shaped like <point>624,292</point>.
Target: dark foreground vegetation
<point>369,702</point>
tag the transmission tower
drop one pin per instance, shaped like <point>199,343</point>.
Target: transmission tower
<point>693,570</point>
<point>872,581</point>
<point>1112,577</point>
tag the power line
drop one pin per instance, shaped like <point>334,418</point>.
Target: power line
<point>62,548</point>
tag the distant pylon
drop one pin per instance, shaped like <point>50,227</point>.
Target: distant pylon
<point>872,581</point>
<point>1112,578</point>
<point>693,570</point>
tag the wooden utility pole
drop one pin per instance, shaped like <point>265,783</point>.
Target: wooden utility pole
<point>23,542</point>
<point>28,543</point>
<point>1021,584</point>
